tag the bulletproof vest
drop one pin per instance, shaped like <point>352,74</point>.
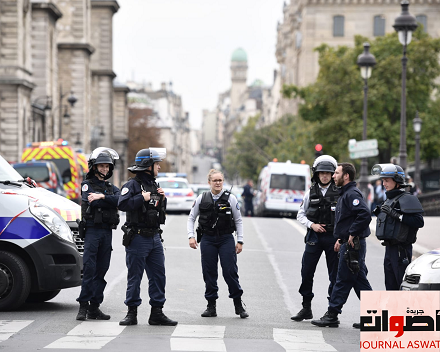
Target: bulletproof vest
<point>321,208</point>
<point>216,217</point>
<point>152,213</point>
<point>100,215</point>
<point>393,230</point>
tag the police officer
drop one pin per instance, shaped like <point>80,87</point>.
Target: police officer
<point>219,216</point>
<point>99,217</point>
<point>145,203</point>
<point>398,220</point>
<point>317,213</point>
<point>352,221</point>
<point>248,196</point>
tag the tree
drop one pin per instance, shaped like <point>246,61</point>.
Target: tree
<point>333,105</point>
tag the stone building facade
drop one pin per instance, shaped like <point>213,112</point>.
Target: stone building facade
<point>49,50</point>
<point>310,23</point>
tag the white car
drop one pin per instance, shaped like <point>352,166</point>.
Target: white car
<point>423,273</point>
<point>180,196</point>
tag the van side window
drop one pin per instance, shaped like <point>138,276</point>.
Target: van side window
<point>293,182</point>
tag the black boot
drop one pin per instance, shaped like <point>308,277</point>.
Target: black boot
<point>158,318</point>
<point>131,317</point>
<point>239,310</point>
<point>95,313</point>
<point>82,313</point>
<point>329,319</point>
<point>304,313</point>
<point>210,310</point>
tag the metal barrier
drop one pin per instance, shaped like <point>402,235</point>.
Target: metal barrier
<point>430,203</point>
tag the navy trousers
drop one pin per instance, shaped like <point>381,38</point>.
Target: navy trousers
<point>96,261</point>
<point>248,208</point>
<point>212,248</point>
<point>346,280</point>
<point>310,259</point>
<point>394,265</point>
<point>145,254</point>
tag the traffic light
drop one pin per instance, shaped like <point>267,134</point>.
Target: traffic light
<point>318,150</point>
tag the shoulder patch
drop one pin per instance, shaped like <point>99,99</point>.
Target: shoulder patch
<point>194,204</point>
<point>356,202</point>
<point>238,206</point>
<point>85,187</point>
<point>124,191</point>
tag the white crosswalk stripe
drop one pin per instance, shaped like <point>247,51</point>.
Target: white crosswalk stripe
<point>89,335</point>
<point>301,340</point>
<point>10,327</point>
<point>198,338</point>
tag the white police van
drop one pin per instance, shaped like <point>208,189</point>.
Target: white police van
<point>38,254</point>
<point>281,188</point>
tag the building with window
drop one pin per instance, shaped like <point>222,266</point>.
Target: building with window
<point>310,23</point>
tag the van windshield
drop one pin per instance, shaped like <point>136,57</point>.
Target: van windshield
<point>63,166</point>
<point>7,172</point>
<point>293,182</point>
<point>37,173</point>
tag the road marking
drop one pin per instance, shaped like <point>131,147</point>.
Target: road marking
<point>198,338</point>
<point>301,340</point>
<point>10,327</point>
<point>89,335</point>
<point>297,225</point>
<point>279,278</point>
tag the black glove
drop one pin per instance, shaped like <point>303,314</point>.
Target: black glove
<point>376,210</point>
<point>391,212</point>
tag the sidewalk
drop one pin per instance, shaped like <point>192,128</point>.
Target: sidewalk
<point>427,238</point>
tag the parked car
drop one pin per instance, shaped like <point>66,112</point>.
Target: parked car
<point>44,173</point>
<point>423,273</point>
<point>199,188</point>
<point>180,196</point>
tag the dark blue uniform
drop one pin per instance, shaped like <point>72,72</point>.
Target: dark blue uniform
<point>248,197</point>
<point>97,243</point>
<point>143,253</point>
<point>352,219</point>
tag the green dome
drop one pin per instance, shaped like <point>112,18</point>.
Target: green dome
<point>239,55</point>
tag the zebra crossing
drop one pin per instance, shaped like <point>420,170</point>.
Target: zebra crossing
<point>95,335</point>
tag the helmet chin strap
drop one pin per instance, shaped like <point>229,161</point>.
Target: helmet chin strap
<point>325,184</point>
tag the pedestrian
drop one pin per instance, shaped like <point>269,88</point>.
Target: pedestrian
<point>317,213</point>
<point>248,196</point>
<point>379,194</point>
<point>398,220</point>
<point>100,216</point>
<point>412,187</point>
<point>144,203</point>
<point>219,217</point>
<point>352,220</point>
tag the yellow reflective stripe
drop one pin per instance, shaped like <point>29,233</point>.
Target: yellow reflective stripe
<point>25,154</point>
<point>52,154</point>
<point>63,213</point>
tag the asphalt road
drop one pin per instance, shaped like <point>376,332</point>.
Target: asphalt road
<point>269,269</point>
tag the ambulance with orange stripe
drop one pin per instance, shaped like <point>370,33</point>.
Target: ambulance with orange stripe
<point>40,252</point>
<point>65,158</point>
<point>280,189</point>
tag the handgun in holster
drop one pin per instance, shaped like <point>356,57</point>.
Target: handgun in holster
<point>351,256</point>
<point>128,235</point>
<point>82,224</point>
<point>199,234</point>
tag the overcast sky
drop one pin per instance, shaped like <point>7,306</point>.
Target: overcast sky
<point>190,42</point>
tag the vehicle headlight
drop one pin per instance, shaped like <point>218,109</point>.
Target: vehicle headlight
<point>52,220</point>
<point>436,264</point>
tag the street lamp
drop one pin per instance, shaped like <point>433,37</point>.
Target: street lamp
<point>417,124</point>
<point>404,25</point>
<point>71,100</point>
<point>366,62</point>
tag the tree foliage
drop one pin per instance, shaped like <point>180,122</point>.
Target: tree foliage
<point>333,105</point>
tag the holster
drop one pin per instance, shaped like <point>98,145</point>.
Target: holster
<point>199,234</point>
<point>81,228</point>
<point>351,256</point>
<point>128,235</point>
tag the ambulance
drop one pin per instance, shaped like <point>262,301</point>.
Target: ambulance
<point>280,189</point>
<point>40,252</point>
<point>64,157</point>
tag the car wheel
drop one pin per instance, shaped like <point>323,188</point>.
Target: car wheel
<point>38,297</point>
<point>15,281</point>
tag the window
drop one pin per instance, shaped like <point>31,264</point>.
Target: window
<point>338,26</point>
<point>379,26</point>
<point>293,182</point>
<point>423,20</point>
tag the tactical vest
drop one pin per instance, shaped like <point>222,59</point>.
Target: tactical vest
<point>99,216</point>
<point>393,231</point>
<point>321,208</point>
<point>216,217</point>
<point>152,213</point>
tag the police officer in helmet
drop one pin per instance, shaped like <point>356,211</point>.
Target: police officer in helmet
<point>219,217</point>
<point>145,203</point>
<point>100,216</point>
<point>398,220</point>
<point>317,213</point>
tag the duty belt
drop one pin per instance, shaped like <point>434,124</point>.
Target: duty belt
<point>147,232</point>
